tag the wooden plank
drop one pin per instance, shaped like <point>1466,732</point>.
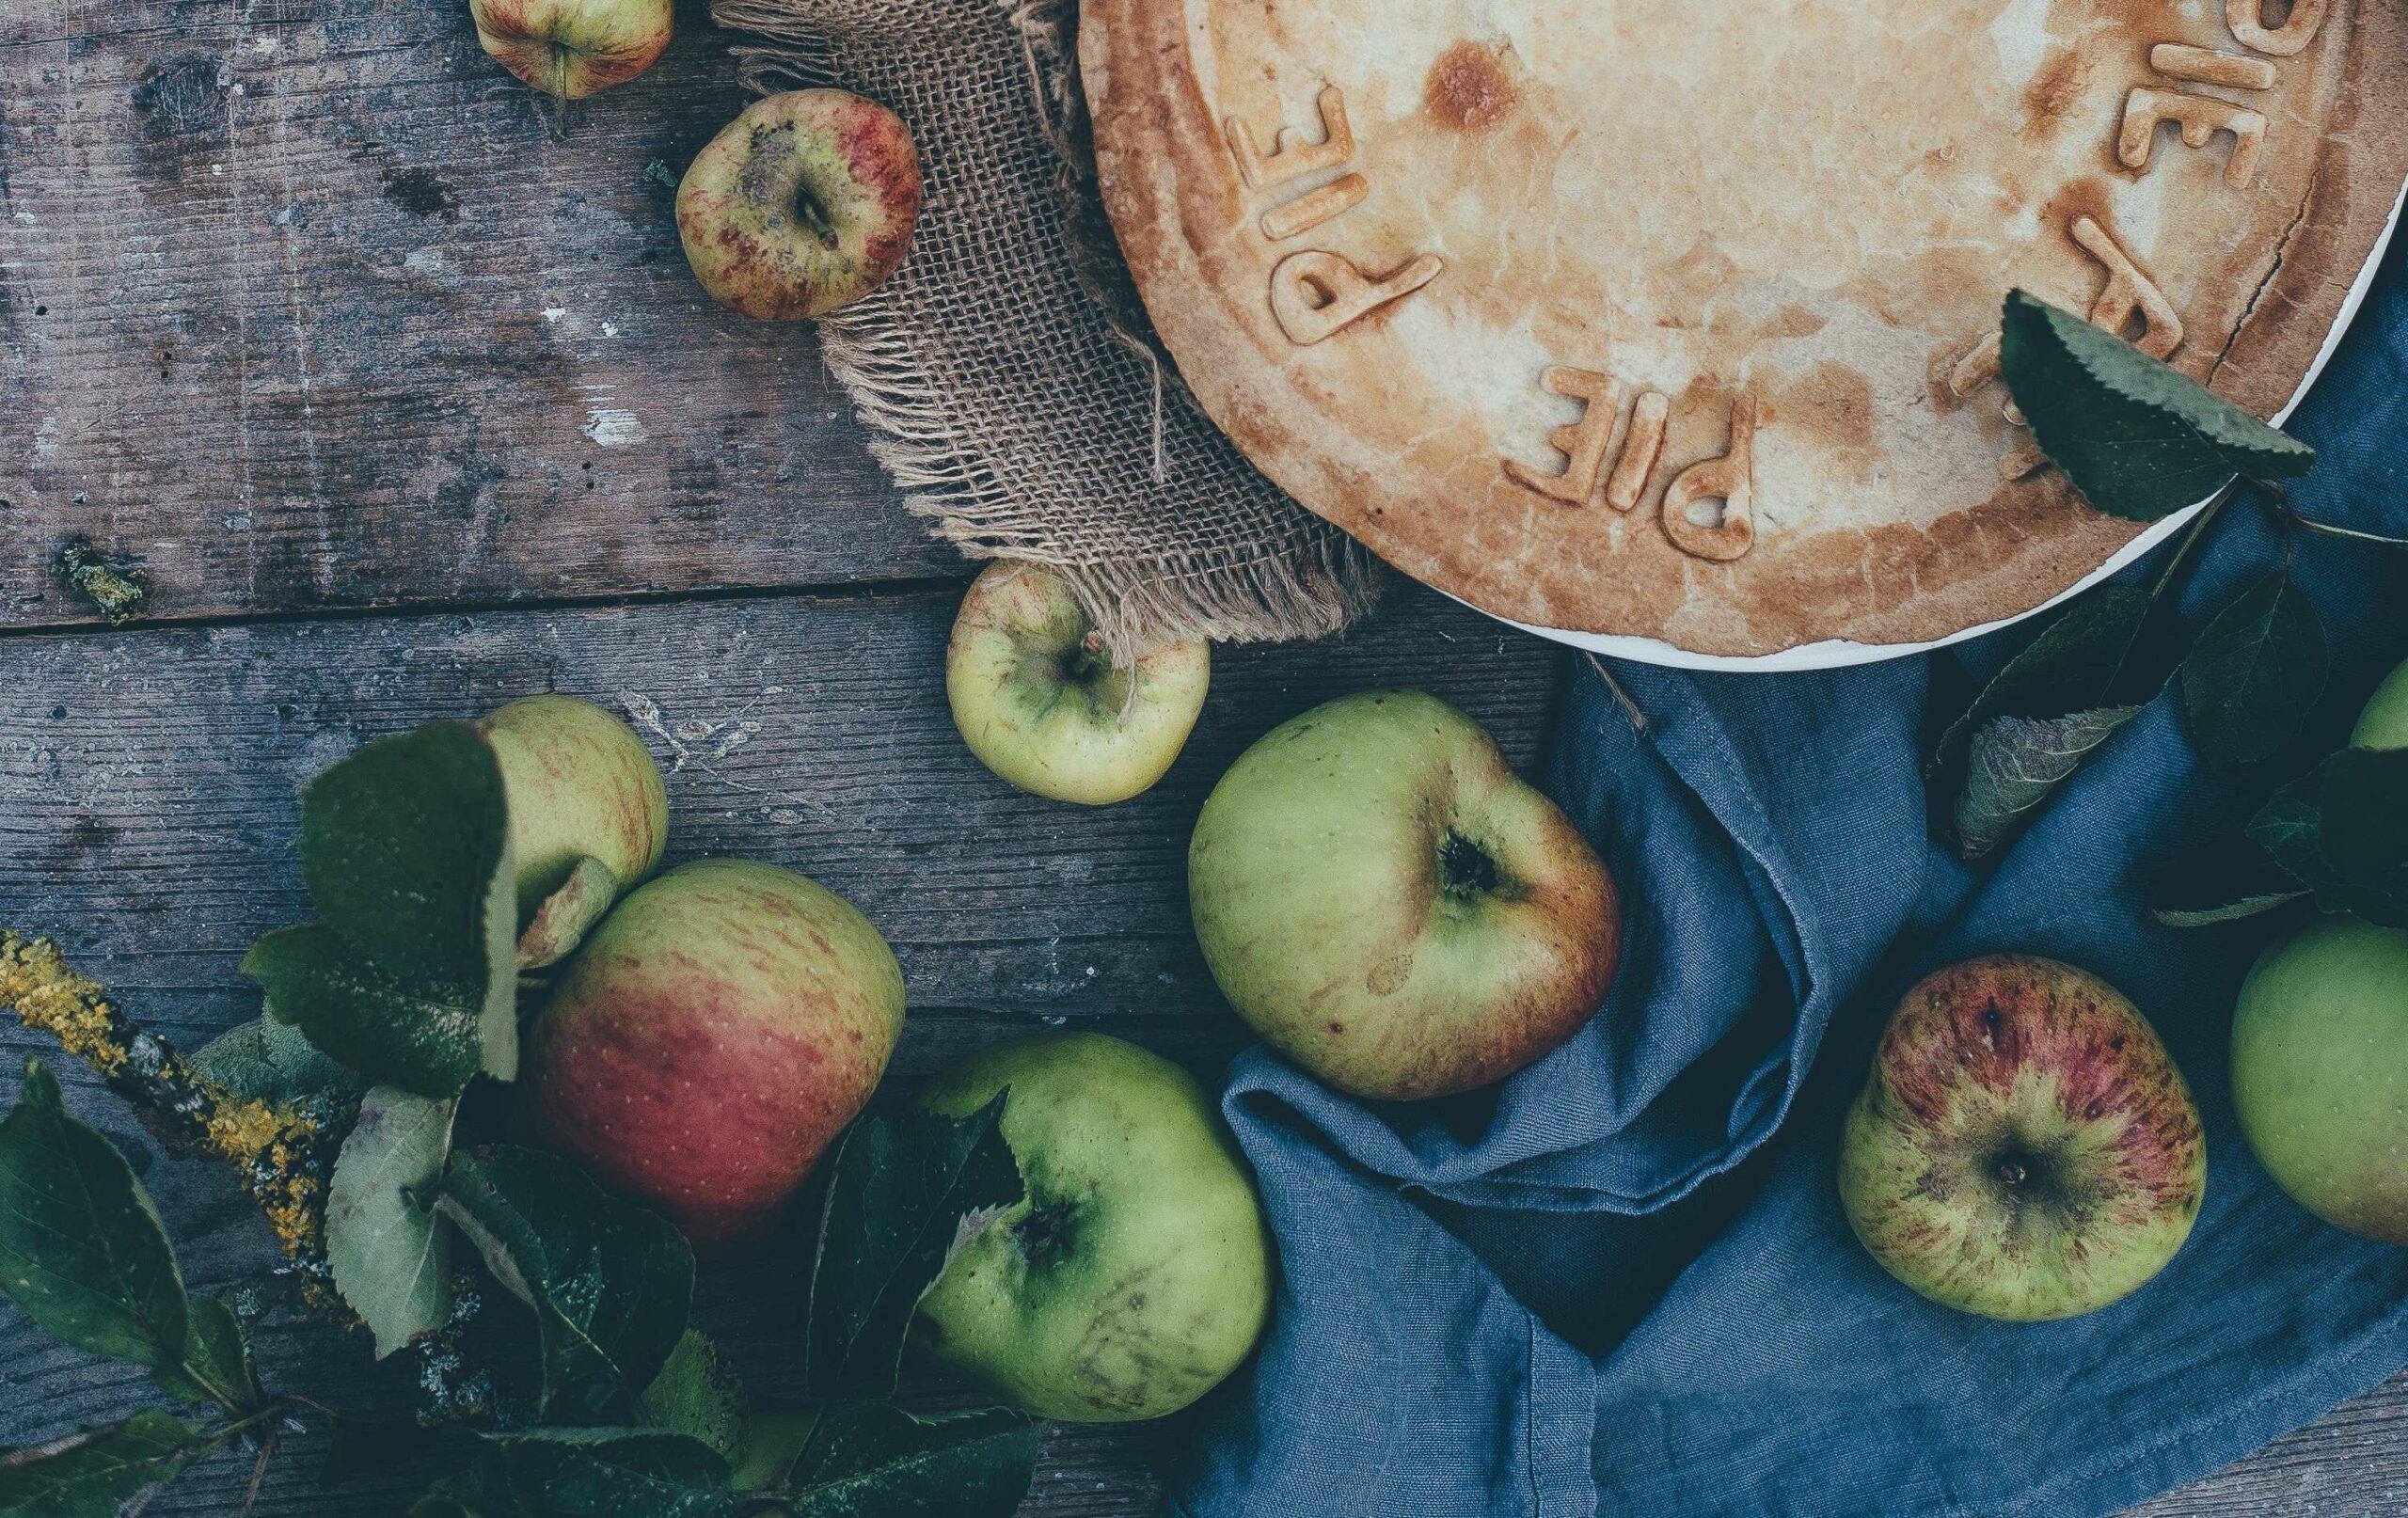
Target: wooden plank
<point>148,809</point>
<point>304,304</point>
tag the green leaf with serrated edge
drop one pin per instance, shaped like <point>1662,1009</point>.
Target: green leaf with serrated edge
<point>216,1361</point>
<point>566,916</point>
<point>391,1255</point>
<point>2136,436</point>
<point>2221,882</point>
<point>875,1460</point>
<point>610,1282</point>
<point>2093,659</point>
<point>697,1394</point>
<point>2292,827</point>
<point>405,849</point>
<point>2363,829</point>
<point>412,1034</point>
<point>589,1473</point>
<point>2018,761</point>
<point>897,1194</point>
<point>80,1248</point>
<point>2254,674</point>
<point>95,1474</point>
<point>770,1443</point>
<point>275,1062</point>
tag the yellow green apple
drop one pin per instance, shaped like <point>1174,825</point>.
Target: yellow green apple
<point>2384,722</point>
<point>1043,704</point>
<point>2319,1072</point>
<point>589,815</point>
<point>1135,1275</point>
<point>1387,904</point>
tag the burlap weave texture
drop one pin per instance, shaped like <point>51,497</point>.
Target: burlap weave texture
<point>1013,391</point>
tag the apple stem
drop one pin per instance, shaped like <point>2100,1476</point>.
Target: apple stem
<point>814,215</point>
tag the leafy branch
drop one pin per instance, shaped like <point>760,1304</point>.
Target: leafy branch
<point>2140,440</point>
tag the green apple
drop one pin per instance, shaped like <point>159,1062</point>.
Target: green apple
<point>2320,1072</point>
<point>1135,1273</point>
<point>711,1038</point>
<point>589,815</point>
<point>1387,904</point>
<point>2024,1147</point>
<point>2384,722</point>
<point>573,48</point>
<point>1042,704</point>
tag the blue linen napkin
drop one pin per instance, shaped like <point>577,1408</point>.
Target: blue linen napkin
<point>1621,1283</point>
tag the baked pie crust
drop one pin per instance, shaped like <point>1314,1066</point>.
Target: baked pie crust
<point>1677,317</point>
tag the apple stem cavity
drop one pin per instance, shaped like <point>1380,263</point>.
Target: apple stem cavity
<point>815,217</point>
<point>1467,869</point>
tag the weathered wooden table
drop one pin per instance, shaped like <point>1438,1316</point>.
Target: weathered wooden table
<point>410,407</point>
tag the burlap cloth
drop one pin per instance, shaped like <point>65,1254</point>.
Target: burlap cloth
<point>1015,391</point>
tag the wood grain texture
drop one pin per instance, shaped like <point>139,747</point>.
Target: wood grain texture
<point>303,304</point>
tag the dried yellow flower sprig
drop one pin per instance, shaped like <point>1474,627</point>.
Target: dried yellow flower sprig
<point>282,1152</point>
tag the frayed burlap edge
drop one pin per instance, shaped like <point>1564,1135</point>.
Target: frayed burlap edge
<point>1312,585</point>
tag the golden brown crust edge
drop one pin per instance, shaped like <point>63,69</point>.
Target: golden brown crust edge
<point>2026,545</point>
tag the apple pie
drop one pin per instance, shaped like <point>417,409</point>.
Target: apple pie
<point>1677,319</point>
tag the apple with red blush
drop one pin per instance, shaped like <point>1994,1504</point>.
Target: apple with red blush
<point>711,1038</point>
<point>573,48</point>
<point>804,204</point>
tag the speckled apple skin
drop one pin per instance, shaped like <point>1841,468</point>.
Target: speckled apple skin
<point>711,1038</point>
<point>1134,1276</point>
<point>1025,702</point>
<point>737,206</point>
<point>1316,880</point>
<point>581,784</point>
<point>573,48</point>
<point>2013,1059</point>
<point>2319,1072</point>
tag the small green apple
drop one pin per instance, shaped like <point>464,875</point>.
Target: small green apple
<point>1042,704</point>
<point>710,1038</point>
<point>589,815</point>
<point>2024,1148</point>
<point>1135,1273</point>
<point>2384,722</point>
<point>1387,904</point>
<point>2320,1072</point>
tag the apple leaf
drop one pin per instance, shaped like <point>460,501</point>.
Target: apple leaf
<point>216,1364</point>
<point>2254,674</point>
<point>275,1062</point>
<point>772,1443</point>
<point>566,916</point>
<point>875,1460</point>
<point>410,975</point>
<point>2017,762</point>
<point>417,1035</point>
<point>900,1192</point>
<point>96,1473</point>
<point>2363,828</point>
<point>2139,438</point>
<point>81,1249</point>
<point>589,1473</point>
<point>2071,689</point>
<point>2342,830</point>
<point>390,1253</point>
<point>2220,883</point>
<point>697,1394</point>
<point>611,1283</point>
